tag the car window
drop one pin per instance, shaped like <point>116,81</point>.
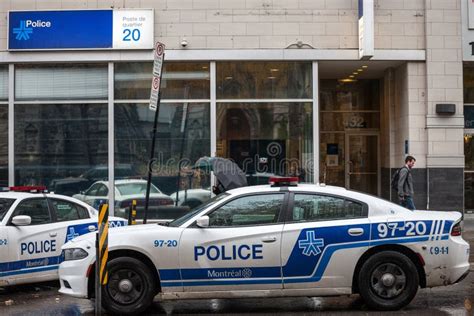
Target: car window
<point>37,209</point>
<point>102,191</point>
<point>68,211</point>
<point>183,219</point>
<point>312,207</point>
<point>135,188</point>
<point>248,210</point>
<point>93,189</point>
<point>5,205</point>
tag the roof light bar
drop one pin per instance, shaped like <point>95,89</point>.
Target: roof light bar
<point>283,181</point>
<point>29,188</point>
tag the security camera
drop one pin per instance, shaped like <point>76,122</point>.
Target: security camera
<point>184,42</point>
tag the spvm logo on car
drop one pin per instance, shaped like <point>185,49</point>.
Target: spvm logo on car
<point>26,28</point>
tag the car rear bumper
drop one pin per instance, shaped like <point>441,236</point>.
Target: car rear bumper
<point>445,269</point>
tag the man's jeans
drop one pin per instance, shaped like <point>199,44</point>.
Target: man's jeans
<point>408,203</point>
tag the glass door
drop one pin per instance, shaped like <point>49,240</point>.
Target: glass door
<point>362,163</point>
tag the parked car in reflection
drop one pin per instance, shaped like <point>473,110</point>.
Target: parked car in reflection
<point>126,191</point>
<point>73,185</point>
<point>192,197</point>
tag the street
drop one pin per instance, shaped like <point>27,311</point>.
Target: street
<point>44,300</point>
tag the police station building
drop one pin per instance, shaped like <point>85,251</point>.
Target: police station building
<point>332,91</point>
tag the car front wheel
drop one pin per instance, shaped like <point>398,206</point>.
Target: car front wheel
<point>130,288</point>
<point>388,280</point>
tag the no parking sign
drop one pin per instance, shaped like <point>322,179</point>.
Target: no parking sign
<point>157,67</point>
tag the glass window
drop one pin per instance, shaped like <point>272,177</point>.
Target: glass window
<point>37,209</point>
<point>61,82</point>
<point>68,211</point>
<point>469,152</point>
<point>260,149</point>
<point>61,146</point>
<point>133,140</point>
<point>469,116</point>
<point>264,80</point>
<point>179,81</point>
<point>3,82</point>
<point>135,188</point>
<point>102,191</point>
<point>3,145</point>
<point>468,74</point>
<point>309,207</point>
<point>93,190</point>
<point>5,205</point>
<point>248,210</point>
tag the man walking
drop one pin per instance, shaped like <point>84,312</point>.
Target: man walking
<point>405,184</point>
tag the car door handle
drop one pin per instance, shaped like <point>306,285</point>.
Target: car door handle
<point>355,231</point>
<point>269,239</point>
<point>53,234</point>
<point>91,228</point>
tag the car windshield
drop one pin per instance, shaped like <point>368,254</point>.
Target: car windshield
<point>135,188</point>
<point>5,206</point>
<point>179,221</point>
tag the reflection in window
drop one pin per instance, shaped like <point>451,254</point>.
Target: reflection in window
<point>62,146</point>
<point>468,83</point>
<point>3,83</point>
<point>3,145</point>
<point>179,81</point>
<point>37,209</point>
<point>263,80</point>
<point>68,211</point>
<point>261,149</point>
<point>61,82</point>
<point>309,207</point>
<point>134,123</point>
<point>248,210</point>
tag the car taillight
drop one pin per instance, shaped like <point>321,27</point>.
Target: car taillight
<point>456,230</point>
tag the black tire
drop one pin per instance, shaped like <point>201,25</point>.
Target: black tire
<point>135,275</point>
<point>388,280</point>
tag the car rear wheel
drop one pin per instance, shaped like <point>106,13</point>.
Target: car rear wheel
<point>130,288</point>
<point>388,280</point>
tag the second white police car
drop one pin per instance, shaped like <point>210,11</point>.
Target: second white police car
<point>34,226</point>
<point>276,240</point>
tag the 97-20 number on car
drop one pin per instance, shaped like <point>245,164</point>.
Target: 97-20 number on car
<point>165,243</point>
<point>412,229</point>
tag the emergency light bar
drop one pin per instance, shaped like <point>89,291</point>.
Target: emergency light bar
<point>29,188</point>
<point>283,181</point>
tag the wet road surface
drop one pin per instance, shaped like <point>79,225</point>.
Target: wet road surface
<point>45,300</point>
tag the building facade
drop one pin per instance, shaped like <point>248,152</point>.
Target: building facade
<point>278,86</point>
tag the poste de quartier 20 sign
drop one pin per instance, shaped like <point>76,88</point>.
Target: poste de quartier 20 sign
<point>80,29</point>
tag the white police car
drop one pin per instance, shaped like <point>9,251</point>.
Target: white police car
<point>33,227</point>
<point>273,241</point>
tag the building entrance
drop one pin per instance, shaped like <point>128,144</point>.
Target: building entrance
<point>349,134</point>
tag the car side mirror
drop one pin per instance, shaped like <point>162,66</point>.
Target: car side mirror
<point>203,221</point>
<point>21,220</point>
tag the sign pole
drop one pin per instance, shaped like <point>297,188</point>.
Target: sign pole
<point>155,99</point>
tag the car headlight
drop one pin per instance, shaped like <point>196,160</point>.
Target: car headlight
<point>74,254</point>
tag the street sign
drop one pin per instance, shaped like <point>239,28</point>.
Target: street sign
<point>157,67</point>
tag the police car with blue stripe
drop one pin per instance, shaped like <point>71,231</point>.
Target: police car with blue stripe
<point>283,239</point>
<point>33,227</point>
